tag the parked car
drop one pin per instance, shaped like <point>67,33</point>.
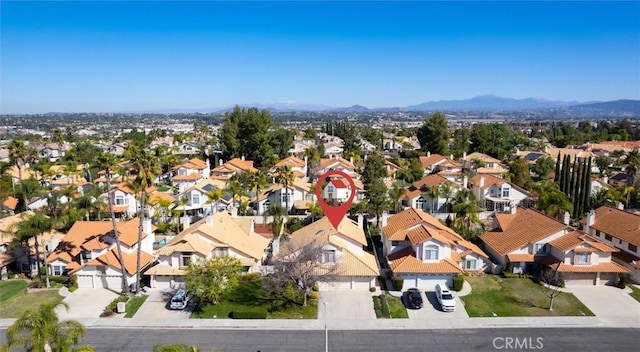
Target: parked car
<point>179,300</point>
<point>445,298</point>
<point>414,298</point>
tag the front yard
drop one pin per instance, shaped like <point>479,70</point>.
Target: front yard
<point>493,295</point>
<point>388,306</point>
<point>223,310</point>
<point>14,298</point>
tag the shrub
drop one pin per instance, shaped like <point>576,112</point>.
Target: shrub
<point>249,313</point>
<point>58,279</point>
<point>114,304</point>
<point>384,305</point>
<point>72,288</point>
<point>372,289</point>
<point>316,288</point>
<point>314,295</point>
<point>377,306</point>
<point>35,283</point>
<point>398,282</point>
<point>622,282</point>
<point>73,283</point>
<point>458,282</point>
<point>252,277</point>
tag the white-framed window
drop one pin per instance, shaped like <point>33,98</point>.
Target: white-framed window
<point>582,258</point>
<point>470,264</point>
<point>431,252</point>
<point>185,258</point>
<point>505,192</point>
<point>328,256</point>
<point>195,198</point>
<point>120,200</point>
<point>57,270</point>
<point>220,251</point>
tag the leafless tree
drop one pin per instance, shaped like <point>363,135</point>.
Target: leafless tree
<point>554,282</point>
<point>302,264</point>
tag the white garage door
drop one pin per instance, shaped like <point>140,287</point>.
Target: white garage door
<point>608,279</point>
<point>112,282</point>
<point>579,279</point>
<point>162,282</point>
<point>347,283</point>
<point>85,281</point>
<point>426,281</point>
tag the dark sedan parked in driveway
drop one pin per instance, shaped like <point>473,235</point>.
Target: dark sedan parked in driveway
<point>414,299</point>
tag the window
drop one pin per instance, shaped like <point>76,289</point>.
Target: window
<point>431,252</point>
<point>120,200</point>
<point>582,258</point>
<point>86,255</point>
<point>505,192</point>
<point>470,264</point>
<point>395,243</point>
<point>329,256</point>
<point>608,237</point>
<point>57,270</point>
<point>541,248</point>
<point>633,247</point>
<point>195,198</point>
<point>185,259</point>
<point>221,252</point>
<point>24,267</point>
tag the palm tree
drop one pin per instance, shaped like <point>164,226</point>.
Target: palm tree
<point>41,330</point>
<point>106,161</point>
<point>632,162</point>
<point>446,190</point>
<point>237,190</point>
<point>214,196</point>
<point>17,156</point>
<point>182,202</point>
<point>277,212</point>
<point>146,167</point>
<point>259,181</point>
<point>31,228</point>
<point>552,200</point>
<point>285,178</point>
<point>433,193</point>
<point>466,209</point>
<point>395,193</point>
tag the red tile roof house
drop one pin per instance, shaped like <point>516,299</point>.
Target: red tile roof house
<point>425,252</point>
<point>620,229</point>
<point>529,240</point>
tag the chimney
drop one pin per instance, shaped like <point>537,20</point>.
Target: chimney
<point>428,154</point>
<point>513,208</point>
<point>481,182</point>
<point>146,226</point>
<point>451,156</point>
<point>566,218</point>
<point>186,222</point>
<point>351,160</point>
<point>385,216</point>
<point>210,219</point>
<point>591,218</point>
<point>242,158</point>
<point>221,162</point>
<point>234,212</point>
<point>605,179</point>
<point>465,181</point>
<point>464,155</point>
<point>361,221</point>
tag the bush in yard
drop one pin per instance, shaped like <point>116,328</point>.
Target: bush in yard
<point>250,313</point>
<point>622,282</point>
<point>372,289</point>
<point>384,305</point>
<point>398,282</point>
<point>314,295</point>
<point>316,288</point>
<point>458,282</point>
<point>114,304</point>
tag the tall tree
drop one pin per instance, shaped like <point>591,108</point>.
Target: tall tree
<point>466,209</point>
<point>41,330</point>
<point>210,280</point>
<point>543,166</point>
<point>18,157</point>
<point>434,134</point>
<point>632,163</point>
<point>519,173</point>
<point>556,176</point>
<point>32,228</point>
<point>106,161</point>
<point>147,169</point>
<point>214,196</point>
<point>286,178</point>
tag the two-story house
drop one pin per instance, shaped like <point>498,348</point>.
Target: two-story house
<point>297,166</point>
<point>496,194</point>
<point>427,194</point>
<point>225,170</point>
<point>187,174</point>
<point>124,200</point>
<point>446,167</point>
<point>216,235</point>
<point>529,240</point>
<point>337,164</point>
<point>51,152</point>
<point>296,195</point>
<point>337,191</point>
<point>425,252</point>
<point>618,228</point>
<point>90,252</point>
<point>483,164</point>
<point>197,199</point>
<point>342,246</point>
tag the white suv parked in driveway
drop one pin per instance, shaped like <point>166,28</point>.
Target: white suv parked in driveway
<point>445,298</point>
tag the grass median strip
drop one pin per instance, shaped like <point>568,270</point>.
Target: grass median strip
<point>636,292</point>
<point>387,306</point>
<point>134,304</point>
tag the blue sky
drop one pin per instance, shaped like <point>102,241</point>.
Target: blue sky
<point>132,56</point>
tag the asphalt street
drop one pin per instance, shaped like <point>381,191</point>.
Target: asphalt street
<point>503,339</point>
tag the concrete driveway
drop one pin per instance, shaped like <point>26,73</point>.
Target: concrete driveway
<point>86,303</point>
<point>431,308</point>
<point>347,304</point>
<point>155,307</point>
<point>608,302</point>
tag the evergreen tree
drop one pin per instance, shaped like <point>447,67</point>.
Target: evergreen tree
<point>575,196</point>
<point>564,184</point>
<point>434,134</point>
<point>572,184</point>
<point>586,195</point>
<point>556,177</point>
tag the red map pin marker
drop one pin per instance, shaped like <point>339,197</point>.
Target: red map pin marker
<point>335,213</point>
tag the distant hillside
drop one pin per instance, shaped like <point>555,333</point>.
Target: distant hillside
<point>622,108</point>
<point>489,102</point>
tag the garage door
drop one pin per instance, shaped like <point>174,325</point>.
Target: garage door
<point>579,279</point>
<point>608,279</point>
<point>162,282</point>
<point>85,281</point>
<point>347,283</point>
<point>426,281</point>
<point>112,282</point>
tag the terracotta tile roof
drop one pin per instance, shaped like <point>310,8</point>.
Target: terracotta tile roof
<point>527,226</point>
<point>430,181</point>
<point>10,203</point>
<point>628,258</point>
<point>618,223</point>
<point>491,171</point>
<point>579,242</point>
<point>130,260</point>
<point>410,264</point>
<point>489,180</point>
<point>521,257</point>
<point>324,163</point>
<point>244,165</point>
<point>163,269</point>
<point>156,197</point>
<point>188,243</point>
<point>606,267</point>
<point>190,177</point>
<point>194,164</point>
<point>410,218</point>
<point>481,156</point>
<point>392,165</point>
<point>347,228</point>
<point>428,161</point>
<point>410,193</point>
<point>264,230</point>
<point>292,161</point>
<point>120,208</point>
<point>504,220</point>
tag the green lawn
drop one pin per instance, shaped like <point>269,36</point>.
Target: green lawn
<point>388,306</point>
<point>222,310</point>
<point>517,297</point>
<point>134,304</point>
<point>14,299</point>
<point>636,292</point>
